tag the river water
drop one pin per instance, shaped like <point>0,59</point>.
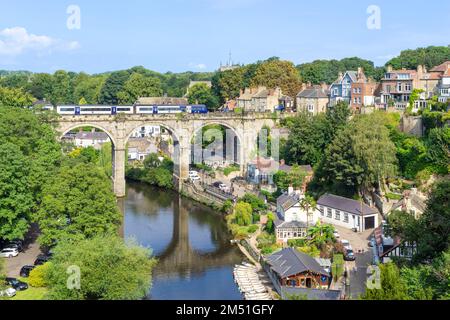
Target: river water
<point>190,240</point>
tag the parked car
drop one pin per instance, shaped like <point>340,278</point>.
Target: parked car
<point>25,271</point>
<point>349,255</point>
<point>14,245</point>
<point>9,252</point>
<point>223,187</point>
<point>194,178</point>
<point>41,259</point>
<point>345,243</point>
<point>193,173</point>
<point>10,292</point>
<point>17,284</point>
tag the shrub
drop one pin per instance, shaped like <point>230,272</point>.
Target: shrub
<point>38,275</point>
<point>228,170</point>
<point>252,229</point>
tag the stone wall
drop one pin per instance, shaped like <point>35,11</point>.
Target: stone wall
<point>412,125</point>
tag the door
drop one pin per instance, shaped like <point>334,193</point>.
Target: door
<point>369,223</point>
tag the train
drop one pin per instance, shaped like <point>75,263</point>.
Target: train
<point>136,109</point>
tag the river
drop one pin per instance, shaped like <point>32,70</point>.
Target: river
<point>190,240</point>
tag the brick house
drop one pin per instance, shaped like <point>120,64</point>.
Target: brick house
<point>363,91</point>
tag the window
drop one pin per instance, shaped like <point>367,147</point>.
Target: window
<point>337,215</point>
<point>388,88</point>
<point>399,87</point>
<point>359,90</point>
<point>329,213</point>
<point>345,217</point>
<point>321,211</point>
<point>310,108</point>
<point>408,87</point>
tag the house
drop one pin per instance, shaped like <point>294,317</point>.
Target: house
<point>193,83</point>
<point>398,85</point>
<point>91,139</point>
<point>289,268</point>
<point>146,131</point>
<point>161,101</point>
<point>140,148</point>
<point>386,248</point>
<point>292,220</point>
<point>347,213</point>
<point>412,202</point>
<point>443,87</point>
<point>363,91</point>
<point>260,99</point>
<point>341,89</point>
<point>286,103</point>
<point>313,99</point>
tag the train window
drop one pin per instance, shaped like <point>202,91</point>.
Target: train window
<point>123,109</point>
<point>95,109</point>
<point>145,109</point>
<point>66,109</point>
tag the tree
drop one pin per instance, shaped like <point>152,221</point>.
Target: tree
<point>61,92</point>
<point>112,86</point>
<point>138,86</point>
<point>13,97</point>
<point>276,73</point>
<point>256,203</point>
<point>308,203</point>
<point>89,88</point>
<point>16,195</point>
<point>433,236</point>
<point>228,84</point>
<point>202,94</point>
<point>41,85</point>
<point>429,57</point>
<point>78,203</point>
<point>110,270</point>
<point>438,153</point>
<point>243,214</point>
<point>320,234</point>
<point>392,286</point>
<point>361,155</point>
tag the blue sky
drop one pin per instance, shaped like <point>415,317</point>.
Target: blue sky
<point>177,35</point>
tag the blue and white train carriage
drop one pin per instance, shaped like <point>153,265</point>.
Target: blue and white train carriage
<point>140,109</point>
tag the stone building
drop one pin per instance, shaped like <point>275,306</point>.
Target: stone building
<point>313,99</point>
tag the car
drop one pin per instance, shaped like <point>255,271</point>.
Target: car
<point>349,255</point>
<point>217,184</point>
<point>41,259</point>
<point>25,271</point>
<point>194,178</point>
<point>345,243</point>
<point>9,252</point>
<point>223,187</point>
<point>14,245</point>
<point>16,284</point>
<point>10,292</point>
<point>336,235</point>
<point>193,173</point>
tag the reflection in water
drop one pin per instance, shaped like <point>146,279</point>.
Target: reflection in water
<point>195,257</point>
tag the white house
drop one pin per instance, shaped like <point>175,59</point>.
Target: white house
<point>140,148</point>
<point>91,139</point>
<point>347,213</point>
<point>146,131</point>
<point>293,220</point>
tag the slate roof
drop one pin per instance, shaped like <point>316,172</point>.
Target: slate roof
<point>162,101</point>
<point>416,201</point>
<point>91,136</point>
<point>293,224</point>
<point>311,294</point>
<point>287,201</point>
<point>315,92</point>
<point>345,204</point>
<point>289,262</point>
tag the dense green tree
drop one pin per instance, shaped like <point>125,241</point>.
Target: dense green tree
<point>320,234</point>
<point>392,286</point>
<point>294,178</point>
<point>430,57</point>
<point>16,194</point>
<point>112,86</point>
<point>89,89</point>
<point>257,204</point>
<point>228,84</point>
<point>277,73</point>
<point>202,94</point>
<point>15,97</point>
<point>61,92</point>
<point>78,203</point>
<point>41,85</point>
<point>438,149</point>
<point>243,214</point>
<point>138,86</point>
<point>109,270</point>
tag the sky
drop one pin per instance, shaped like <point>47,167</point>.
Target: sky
<point>197,35</point>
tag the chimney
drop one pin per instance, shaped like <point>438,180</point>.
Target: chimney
<point>360,73</point>
<point>324,86</point>
<point>290,190</point>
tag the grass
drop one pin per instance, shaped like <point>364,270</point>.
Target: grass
<point>393,196</point>
<point>31,293</point>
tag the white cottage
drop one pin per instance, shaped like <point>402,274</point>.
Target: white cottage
<point>347,213</point>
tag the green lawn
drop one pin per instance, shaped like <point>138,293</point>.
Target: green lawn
<point>31,293</point>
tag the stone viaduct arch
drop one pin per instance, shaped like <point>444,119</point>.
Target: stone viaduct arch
<point>120,127</point>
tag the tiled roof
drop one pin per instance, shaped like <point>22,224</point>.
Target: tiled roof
<point>345,204</point>
<point>290,261</point>
<point>441,68</point>
<point>287,201</point>
<point>91,136</point>
<point>315,92</point>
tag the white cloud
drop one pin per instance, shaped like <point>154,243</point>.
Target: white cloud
<point>200,66</point>
<point>17,40</point>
